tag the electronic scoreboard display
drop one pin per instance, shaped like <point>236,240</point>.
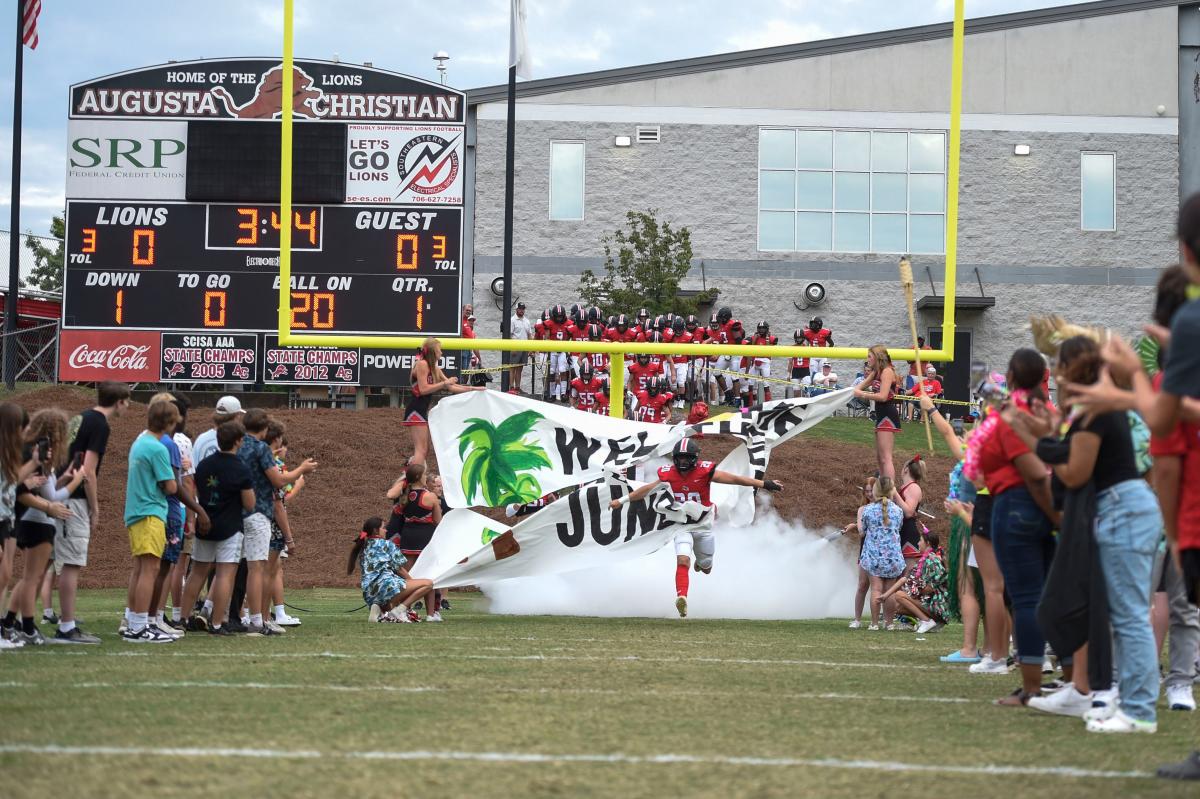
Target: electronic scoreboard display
<point>173,221</point>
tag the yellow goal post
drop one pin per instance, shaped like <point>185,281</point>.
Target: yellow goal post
<point>618,349</point>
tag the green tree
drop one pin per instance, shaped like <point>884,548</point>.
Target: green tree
<point>644,265</point>
<point>497,458</point>
<point>47,272</point>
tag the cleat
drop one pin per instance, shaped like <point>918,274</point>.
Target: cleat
<point>681,606</point>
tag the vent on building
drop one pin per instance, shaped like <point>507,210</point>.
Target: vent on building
<point>647,134</point>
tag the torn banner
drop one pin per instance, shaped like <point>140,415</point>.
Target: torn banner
<point>508,448</point>
<point>577,532</point>
<point>580,531</point>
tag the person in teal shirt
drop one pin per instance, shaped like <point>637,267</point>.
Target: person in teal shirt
<point>151,479</point>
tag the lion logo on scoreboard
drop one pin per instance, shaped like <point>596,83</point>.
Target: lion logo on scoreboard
<point>307,99</point>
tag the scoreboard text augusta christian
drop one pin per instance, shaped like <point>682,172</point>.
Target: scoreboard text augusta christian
<point>173,200</point>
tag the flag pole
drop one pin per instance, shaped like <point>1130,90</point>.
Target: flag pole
<point>509,159</point>
<point>14,238</point>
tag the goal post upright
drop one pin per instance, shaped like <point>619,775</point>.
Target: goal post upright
<point>612,348</point>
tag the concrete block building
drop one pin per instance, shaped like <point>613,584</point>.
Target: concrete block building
<point>823,161</point>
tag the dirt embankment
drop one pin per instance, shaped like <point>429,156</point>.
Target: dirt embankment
<point>362,452</point>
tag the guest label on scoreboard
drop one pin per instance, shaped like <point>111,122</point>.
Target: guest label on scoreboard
<point>310,365</point>
<point>200,358</point>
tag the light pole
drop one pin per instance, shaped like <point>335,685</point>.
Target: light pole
<point>441,57</point>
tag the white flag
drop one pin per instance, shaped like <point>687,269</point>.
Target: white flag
<point>518,47</point>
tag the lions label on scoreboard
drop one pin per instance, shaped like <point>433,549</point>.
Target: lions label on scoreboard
<point>200,358</point>
<point>173,220</point>
<point>310,365</point>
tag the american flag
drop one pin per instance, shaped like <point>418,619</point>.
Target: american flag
<point>29,23</point>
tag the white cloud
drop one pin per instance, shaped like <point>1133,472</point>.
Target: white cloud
<point>779,31</point>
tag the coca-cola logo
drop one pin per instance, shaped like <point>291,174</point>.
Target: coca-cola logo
<point>122,357</point>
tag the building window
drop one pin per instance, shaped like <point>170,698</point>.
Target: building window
<point>566,180</point>
<point>1098,191</point>
<point>851,191</point>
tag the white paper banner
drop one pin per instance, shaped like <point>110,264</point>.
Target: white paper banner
<point>576,532</point>
<point>508,448</point>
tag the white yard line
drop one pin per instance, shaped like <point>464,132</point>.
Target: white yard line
<point>217,684</point>
<point>534,657</point>
<point>1069,772</point>
<point>482,688</point>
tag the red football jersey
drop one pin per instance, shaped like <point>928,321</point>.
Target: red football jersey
<point>654,409</point>
<point>683,338</point>
<point>818,339</point>
<point>768,340</point>
<point>693,486</point>
<point>560,331</point>
<point>587,394</point>
<point>539,329</point>
<point>639,374</point>
<point>599,360</point>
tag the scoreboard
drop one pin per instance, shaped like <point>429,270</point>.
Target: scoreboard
<point>173,220</point>
<point>215,266</point>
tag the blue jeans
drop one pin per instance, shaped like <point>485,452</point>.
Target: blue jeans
<point>1021,536</point>
<point>1128,525</point>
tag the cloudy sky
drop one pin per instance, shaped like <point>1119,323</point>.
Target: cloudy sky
<point>83,39</point>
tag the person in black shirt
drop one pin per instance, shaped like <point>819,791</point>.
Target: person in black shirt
<point>71,544</point>
<point>1127,529</point>
<point>224,490</point>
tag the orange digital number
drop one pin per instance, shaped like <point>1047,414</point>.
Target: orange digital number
<point>420,312</point>
<point>89,239</point>
<point>402,239</point>
<point>305,298</point>
<point>143,236</point>
<point>120,310</point>
<point>327,322</point>
<point>214,309</point>
<point>310,226</point>
<point>439,248</point>
<point>250,225</point>
<point>320,305</point>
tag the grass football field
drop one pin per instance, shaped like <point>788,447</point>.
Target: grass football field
<point>487,705</point>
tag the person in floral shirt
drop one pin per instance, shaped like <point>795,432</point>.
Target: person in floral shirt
<point>386,584</point>
<point>926,592</point>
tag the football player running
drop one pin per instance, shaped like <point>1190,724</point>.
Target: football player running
<point>690,479</point>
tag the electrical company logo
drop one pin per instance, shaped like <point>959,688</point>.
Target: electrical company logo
<point>428,164</point>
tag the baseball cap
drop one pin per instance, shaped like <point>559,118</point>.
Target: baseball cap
<point>520,305</point>
<point>229,405</point>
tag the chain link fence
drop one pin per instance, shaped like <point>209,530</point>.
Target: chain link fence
<point>37,352</point>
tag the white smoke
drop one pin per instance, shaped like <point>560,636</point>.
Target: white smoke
<point>773,569</point>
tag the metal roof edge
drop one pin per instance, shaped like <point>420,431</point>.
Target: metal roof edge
<point>787,52</point>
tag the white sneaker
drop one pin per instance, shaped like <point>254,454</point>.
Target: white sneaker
<point>273,625</point>
<point>989,666</point>
<point>373,616</point>
<point>926,626</point>
<point>435,616</point>
<point>1119,722</point>
<point>166,629</point>
<point>7,644</point>
<point>1179,697</point>
<point>1104,705</point>
<point>855,625</point>
<point>900,626</point>
<point>287,620</point>
<point>1065,702</point>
